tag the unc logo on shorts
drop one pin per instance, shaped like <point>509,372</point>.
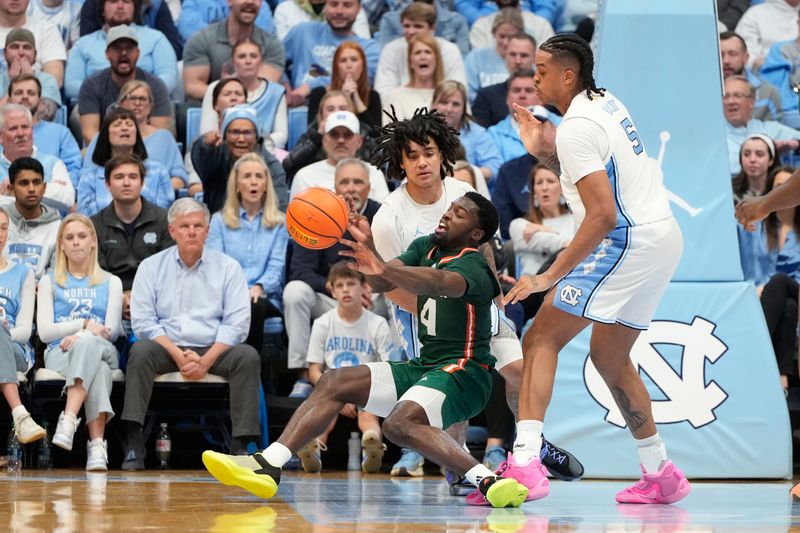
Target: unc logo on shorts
<point>569,295</point>
<point>688,397</point>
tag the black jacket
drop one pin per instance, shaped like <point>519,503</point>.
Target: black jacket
<point>490,104</point>
<point>120,253</point>
<point>312,266</point>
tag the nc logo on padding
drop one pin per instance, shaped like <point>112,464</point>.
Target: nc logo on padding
<point>689,398</point>
<point>570,295</point>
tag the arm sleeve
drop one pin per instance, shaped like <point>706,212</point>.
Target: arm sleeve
<point>316,341</point>
<point>272,278</point>
<point>113,319</point>
<point>21,332</point>
<point>582,145</point>
<point>87,202</point>
<point>75,71</point>
<point>144,316</point>
<point>280,126</point>
<point>59,194</point>
<point>209,119</point>
<point>48,329</point>
<point>215,234</point>
<point>236,307</point>
<point>165,62</point>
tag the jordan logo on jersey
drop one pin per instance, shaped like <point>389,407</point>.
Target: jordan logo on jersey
<point>688,395</point>
<point>570,295</point>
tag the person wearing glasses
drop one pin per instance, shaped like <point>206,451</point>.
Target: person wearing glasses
<point>213,158</point>
<point>137,96</point>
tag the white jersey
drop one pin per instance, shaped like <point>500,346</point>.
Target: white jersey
<point>400,219</point>
<point>336,343</point>
<point>599,134</point>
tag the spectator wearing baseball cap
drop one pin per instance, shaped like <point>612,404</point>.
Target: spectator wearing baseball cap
<point>102,88</point>
<point>341,140</point>
<point>51,52</point>
<point>20,56</point>
<point>212,159</point>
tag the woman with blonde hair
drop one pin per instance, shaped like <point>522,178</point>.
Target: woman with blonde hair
<point>250,228</point>
<point>425,72</point>
<point>79,316</point>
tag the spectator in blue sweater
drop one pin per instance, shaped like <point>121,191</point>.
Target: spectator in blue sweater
<point>474,9</point>
<point>153,14</point>
<point>49,137</point>
<point>88,56</point>
<point>310,47</point>
<point>251,229</point>
<point>521,91</point>
<point>197,14</point>
<point>450,25</point>
<point>120,135</point>
<point>487,66</point>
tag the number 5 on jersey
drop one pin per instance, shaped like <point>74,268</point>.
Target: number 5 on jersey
<point>627,125</point>
<point>427,316</point>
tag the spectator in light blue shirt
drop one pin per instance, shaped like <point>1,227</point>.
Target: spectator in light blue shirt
<point>310,47</point>
<point>197,14</point>
<point>190,311</point>
<point>487,66</point>
<point>450,25</point>
<point>88,56</point>
<point>251,229</point>
<point>474,9</point>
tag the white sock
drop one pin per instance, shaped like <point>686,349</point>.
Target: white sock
<point>277,454</point>
<point>528,443</point>
<point>477,473</point>
<point>18,412</point>
<point>652,453</point>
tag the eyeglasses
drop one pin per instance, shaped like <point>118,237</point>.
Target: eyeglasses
<point>136,99</point>
<point>345,135</point>
<point>736,96</point>
<point>247,134</point>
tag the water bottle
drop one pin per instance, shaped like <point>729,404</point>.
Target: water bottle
<point>163,447</point>
<point>14,465</point>
<point>44,459</point>
<point>354,451</point>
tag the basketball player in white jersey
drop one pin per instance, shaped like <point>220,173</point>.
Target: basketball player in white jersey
<point>420,151</point>
<point>613,273</point>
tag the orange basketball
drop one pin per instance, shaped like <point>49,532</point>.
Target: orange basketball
<point>317,218</point>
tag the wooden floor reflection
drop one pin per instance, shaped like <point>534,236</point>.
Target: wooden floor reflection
<point>68,500</point>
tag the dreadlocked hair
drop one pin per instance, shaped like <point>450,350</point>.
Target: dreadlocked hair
<point>572,47</point>
<point>424,125</point>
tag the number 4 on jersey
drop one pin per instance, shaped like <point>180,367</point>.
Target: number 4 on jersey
<point>428,316</point>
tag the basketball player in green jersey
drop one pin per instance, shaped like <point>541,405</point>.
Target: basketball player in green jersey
<point>450,381</point>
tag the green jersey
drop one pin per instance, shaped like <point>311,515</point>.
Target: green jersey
<point>454,329</point>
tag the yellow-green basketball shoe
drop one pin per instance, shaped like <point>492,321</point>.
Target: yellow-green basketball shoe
<point>251,472</point>
<point>503,492</point>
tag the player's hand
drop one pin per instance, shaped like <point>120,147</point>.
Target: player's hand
<point>750,211</point>
<point>527,285</point>
<point>358,226</point>
<point>349,410</point>
<point>366,261</point>
<point>531,131</point>
<point>366,298</point>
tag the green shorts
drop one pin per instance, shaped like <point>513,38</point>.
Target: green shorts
<point>448,393</point>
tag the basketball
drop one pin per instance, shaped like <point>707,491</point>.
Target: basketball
<point>317,218</point>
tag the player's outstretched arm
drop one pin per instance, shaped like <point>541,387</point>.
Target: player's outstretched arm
<point>538,137</point>
<point>368,263</point>
<point>752,210</point>
<point>425,280</point>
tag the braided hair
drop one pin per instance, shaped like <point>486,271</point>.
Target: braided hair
<point>424,125</point>
<point>571,47</point>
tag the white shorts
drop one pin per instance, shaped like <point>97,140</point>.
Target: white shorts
<point>623,280</point>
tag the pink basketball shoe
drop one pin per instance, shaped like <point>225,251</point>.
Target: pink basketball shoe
<point>532,474</point>
<point>669,485</point>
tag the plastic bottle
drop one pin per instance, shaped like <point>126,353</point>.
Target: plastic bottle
<point>44,459</point>
<point>354,451</point>
<point>163,447</point>
<point>14,465</point>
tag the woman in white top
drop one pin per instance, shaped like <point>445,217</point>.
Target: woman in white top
<point>18,287</point>
<point>425,72</point>
<point>79,315</point>
<point>268,98</point>
<point>547,228</point>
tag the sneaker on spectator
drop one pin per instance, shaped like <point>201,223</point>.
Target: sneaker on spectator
<point>302,389</point>
<point>311,456</point>
<point>668,485</point>
<point>372,450</point>
<point>560,463</point>
<point>493,457</point>
<point>409,465</point>
<point>96,455</point>
<point>133,459</point>
<point>27,430</point>
<point>65,430</point>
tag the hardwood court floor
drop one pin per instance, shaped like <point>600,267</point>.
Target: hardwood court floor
<point>71,500</point>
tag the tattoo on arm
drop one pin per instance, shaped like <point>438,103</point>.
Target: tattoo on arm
<point>635,419</point>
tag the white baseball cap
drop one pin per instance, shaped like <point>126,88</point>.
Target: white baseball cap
<point>342,118</point>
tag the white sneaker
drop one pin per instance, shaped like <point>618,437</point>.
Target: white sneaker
<point>96,455</point>
<point>28,430</point>
<point>65,430</point>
